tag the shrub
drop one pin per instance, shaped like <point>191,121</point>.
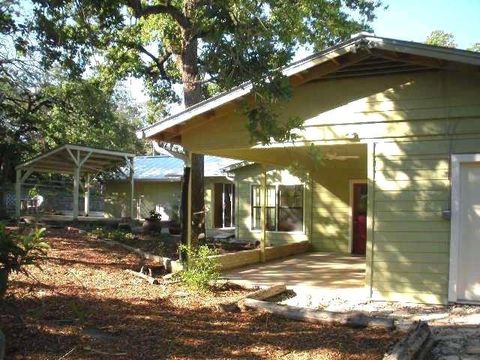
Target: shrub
<point>18,251</point>
<point>201,269</point>
<point>116,235</point>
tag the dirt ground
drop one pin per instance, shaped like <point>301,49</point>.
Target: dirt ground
<point>83,305</point>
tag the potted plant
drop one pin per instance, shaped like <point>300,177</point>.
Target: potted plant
<point>153,222</point>
<point>174,227</point>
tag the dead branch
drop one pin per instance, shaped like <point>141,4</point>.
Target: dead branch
<point>149,279</point>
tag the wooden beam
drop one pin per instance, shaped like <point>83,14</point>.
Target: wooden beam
<point>35,159</point>
<point>417,60</point>
<point>73,157</point>
<point>330,67</point>
<point>85,158</point>
<point>26,175</point>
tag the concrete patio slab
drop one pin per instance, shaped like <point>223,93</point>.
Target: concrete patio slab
<point>315,278</point>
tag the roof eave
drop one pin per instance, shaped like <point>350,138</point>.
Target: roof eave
<point>447,54</point>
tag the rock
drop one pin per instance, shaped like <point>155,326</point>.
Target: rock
<point>125,227</point>
<point>449,357</point>
<point>180,294</point>
<point>473,350</point>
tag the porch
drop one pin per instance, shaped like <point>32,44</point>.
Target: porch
<point>315,277</point>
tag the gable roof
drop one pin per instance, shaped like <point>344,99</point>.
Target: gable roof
<point>418,55</point>
<point>65,158</point>
<point>167,168</point>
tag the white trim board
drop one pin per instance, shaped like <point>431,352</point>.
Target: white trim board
<point>456,162</point>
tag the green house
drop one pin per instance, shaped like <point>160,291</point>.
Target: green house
<point>397,127</point>
<point>158,186</point>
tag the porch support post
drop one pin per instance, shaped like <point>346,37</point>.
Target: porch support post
<point>264,195</point>
<point>76,185</point>
<point>87,195</point>
<point>132,189</point>
<point>370,218</point>
<point>18,192</point>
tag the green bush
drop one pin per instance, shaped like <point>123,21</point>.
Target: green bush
<point>18,251</point>
<point>117,235</point>
<point>201,270</point>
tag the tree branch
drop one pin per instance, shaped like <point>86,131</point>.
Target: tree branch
<point>159,61</point>
<point>140,11</point>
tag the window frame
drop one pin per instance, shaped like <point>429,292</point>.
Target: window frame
<point>277,185</point>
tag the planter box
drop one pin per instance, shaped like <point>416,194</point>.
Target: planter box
<point>278,252</point>
<point>249,257</point>
<point>238,259</point>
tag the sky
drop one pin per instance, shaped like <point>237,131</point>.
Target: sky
<point>414,20</point>
<point>411,20</point>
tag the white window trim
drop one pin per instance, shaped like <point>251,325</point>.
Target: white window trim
<point>298,232</point>
<point>352,182</point>
<point>455,231</point>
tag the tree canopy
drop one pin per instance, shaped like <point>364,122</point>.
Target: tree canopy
<point>41,109</point>
<point>232,41</point>
<point>441,38</point>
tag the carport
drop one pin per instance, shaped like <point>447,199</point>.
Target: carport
<point>83,163</point>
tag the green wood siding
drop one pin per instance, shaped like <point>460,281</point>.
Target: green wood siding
<point>411,240</point>
<point>331,212</point>
<point>151,194</point>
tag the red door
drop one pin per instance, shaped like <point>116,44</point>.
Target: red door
<point>359,216</point>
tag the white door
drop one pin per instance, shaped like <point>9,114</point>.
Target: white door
<point>468,283</point>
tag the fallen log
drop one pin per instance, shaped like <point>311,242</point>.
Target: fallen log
<point>166,262</point>
<point>415,345</point>
<point>268,292</point>
<point>355,320</point>
<point>260,294</point>
<point>149,279</point>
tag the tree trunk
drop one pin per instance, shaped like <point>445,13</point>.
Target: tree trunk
<point>192,94</point>
<point>3,183</point>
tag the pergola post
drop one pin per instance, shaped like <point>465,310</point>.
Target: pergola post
<point>18,193</point>
<point>263,202</point>
<point>87,195</point>
<point>76,184</point>
<point>132,188</point>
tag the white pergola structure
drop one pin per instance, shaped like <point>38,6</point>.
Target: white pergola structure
<point>79,161</point>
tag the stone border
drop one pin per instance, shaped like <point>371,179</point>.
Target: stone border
<point>416,344</point>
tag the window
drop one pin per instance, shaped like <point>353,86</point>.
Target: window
<point>284,208</point>
<point>257,208</point>
<point>224,205</point>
